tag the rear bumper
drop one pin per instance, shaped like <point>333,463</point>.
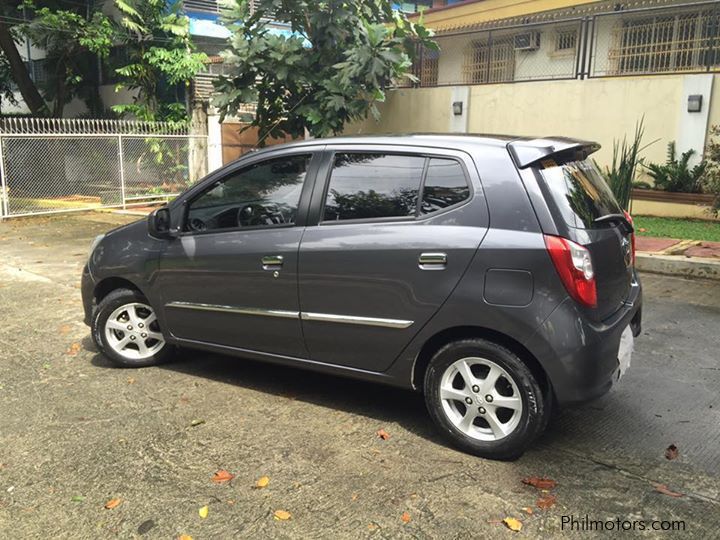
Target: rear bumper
<point>581,357</point>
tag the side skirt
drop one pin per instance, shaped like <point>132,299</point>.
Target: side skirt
<point>302,363</point>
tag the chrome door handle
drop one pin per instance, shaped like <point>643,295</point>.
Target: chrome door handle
<point>272,262</point>
<point>432,261</point>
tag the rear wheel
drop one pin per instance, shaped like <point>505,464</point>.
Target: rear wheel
<point>485,399</point>
<point>125,328</point>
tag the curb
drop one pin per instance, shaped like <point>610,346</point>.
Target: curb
<point>678,265</point>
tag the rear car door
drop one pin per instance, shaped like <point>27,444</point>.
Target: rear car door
<point>230,278</point>
<point>392,230</point>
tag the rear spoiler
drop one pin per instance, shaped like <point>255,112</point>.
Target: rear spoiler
<point>527,152</point>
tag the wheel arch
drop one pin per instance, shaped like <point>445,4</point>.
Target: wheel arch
<point>107,285</point>
<point>442,338</point>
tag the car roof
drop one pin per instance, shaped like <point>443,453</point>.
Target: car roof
<point>525,150</point>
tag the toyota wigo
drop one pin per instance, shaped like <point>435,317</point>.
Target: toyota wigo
<point>493,274</point>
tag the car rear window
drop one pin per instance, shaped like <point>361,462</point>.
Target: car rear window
<point>580,192</point>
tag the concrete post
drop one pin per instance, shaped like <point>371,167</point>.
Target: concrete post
<point>693,126</point>
<point>215,159</point>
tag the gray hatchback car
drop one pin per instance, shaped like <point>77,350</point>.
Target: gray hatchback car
<point>494,274</point>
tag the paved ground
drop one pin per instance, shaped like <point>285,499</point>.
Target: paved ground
<point>75,433</point>
<point>674,246</point>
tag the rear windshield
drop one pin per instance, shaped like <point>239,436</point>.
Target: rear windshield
<point>580,192</point>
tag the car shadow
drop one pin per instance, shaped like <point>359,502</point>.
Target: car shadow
<point>386,404</point>
<point>377,401</point>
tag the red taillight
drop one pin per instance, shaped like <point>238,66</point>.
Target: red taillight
<point>632,238</point>
<point>574,266</point>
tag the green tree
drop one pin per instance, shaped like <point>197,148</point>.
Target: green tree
<point>7,93</point>
<point>332,68</point>
<point>162,57</point>
<point>72,36</point>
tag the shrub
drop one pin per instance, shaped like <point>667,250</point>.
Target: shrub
<point>626,158</point>
<point>676,175</point>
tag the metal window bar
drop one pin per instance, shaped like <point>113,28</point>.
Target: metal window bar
<point>645,40</point>
<point>675,39</point>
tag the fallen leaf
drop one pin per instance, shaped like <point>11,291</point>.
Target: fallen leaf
<point>262,482</point>
<point>65,328</point>
<point>194,423</point>
<point>222,476</point>
<point>546,502</point>
<point>146,526</point>
<point>405,517</point>
<point>74,349</point>
<point>662,488</point>
<point>372,527</point>
<point>203,512</point>
<point>185,537</point>
<point>354,495</point>
<point>528,510</point>
<point>112,503</point>
<point>384,435</point>
<point>671,452</point>
<point>642,229</point>
<point>77,498</point>
<point>513,524</point>
<point>539,483</point>
<point>131,380</point>
<point>282,515</point>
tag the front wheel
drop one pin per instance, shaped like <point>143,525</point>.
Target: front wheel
<point>485,399</point>
<point>125,328</point>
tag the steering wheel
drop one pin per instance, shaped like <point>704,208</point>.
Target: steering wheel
<point>251,215</point>
<point>197,224</point>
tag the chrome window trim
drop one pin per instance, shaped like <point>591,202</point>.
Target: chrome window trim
<point>351,319</point>
<point>305,316</point>
<point>234,309</point>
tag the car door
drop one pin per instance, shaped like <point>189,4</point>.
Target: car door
<point>392,229</point>
<point>230,278</point>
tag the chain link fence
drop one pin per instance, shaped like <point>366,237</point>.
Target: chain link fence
<point>529,52</point>
<point>638,41</point>
<point>49,166</point>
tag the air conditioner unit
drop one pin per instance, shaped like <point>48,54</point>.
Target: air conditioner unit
<point>528,41</point>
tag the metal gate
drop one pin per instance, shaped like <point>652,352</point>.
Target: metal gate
<point>60,165</point>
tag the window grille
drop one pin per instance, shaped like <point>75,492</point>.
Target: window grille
<point>429,68</point>
<point>490,61</point>
<point>565,39</point>
<point>670,43</point>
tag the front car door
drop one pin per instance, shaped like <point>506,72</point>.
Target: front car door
<point>230,278</point>
<point>390,233</point>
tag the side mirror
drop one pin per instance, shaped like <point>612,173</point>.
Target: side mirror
<point>159,223</point>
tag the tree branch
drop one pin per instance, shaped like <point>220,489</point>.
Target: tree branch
<point>25,84</point>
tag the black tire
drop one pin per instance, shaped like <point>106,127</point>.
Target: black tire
<point>102,312</point>
<point>532,419</point>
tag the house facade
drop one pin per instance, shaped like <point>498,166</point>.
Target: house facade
<point>552,67</point>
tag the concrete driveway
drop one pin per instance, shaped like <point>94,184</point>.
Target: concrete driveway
<point>76,433</point>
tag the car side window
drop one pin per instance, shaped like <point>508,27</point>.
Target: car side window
<point>265,194</point>
<point>445,185</point>
<point>373,185</point>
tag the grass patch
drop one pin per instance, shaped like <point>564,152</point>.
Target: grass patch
<point>685,229</point>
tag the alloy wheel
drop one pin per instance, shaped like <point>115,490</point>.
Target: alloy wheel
<point>481,399</point>
<point>132,331</point>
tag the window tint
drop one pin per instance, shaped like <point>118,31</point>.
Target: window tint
<point>445,185</point>
<point>364,186</point>
<point>580,192</point>
<point>265,194</point>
